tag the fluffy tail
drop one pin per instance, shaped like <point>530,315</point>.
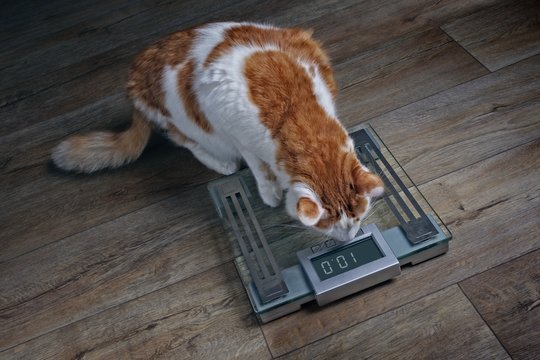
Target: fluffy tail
<point>103,149</point>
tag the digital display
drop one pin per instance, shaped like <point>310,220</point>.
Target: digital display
<point>347,258</point>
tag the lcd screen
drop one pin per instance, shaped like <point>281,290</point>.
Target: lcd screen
<point>346,258</point>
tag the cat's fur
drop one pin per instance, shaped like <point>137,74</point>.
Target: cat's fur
<point>237,91</point>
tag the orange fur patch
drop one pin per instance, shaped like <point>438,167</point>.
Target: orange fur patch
<point>103,149</point>
<point>307,207</point>
<point>189,98</point>
<point>296,42</point>
<point>366,181</point>
<point>310,143</point>
<point>147,69</point>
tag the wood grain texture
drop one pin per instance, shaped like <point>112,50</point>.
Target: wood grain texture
<point>508,298</point>
<point>438,326</point>
<point>60,205</point>
<point>55,36</point>
<point>348,32</point>
<point>46,18</point>
<point>399,72</point>
<point>204,317</point>
<point>60,70</point>
<point>99,34</point>
<point>465,124</point>
<point>491,221</point>
<point>499,35</point>
<point>131,263</point>
<point>109,264</point>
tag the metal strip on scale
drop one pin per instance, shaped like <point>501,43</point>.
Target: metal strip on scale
<point>418,228</point>
<point>259,259</point>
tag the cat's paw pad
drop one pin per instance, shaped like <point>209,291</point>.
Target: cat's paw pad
<point>271,194</point>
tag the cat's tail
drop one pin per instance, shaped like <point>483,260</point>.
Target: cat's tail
<point>103,149</point>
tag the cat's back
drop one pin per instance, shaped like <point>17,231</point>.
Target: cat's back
<point>223,50</point>
<point>204,88</point>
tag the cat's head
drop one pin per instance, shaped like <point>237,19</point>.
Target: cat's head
<point>337,203</point>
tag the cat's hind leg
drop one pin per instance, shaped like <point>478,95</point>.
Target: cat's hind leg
<point>269,188</point>
<point>219,166</point>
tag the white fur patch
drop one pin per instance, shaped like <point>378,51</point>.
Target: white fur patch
<point>223,93</point>
<point>207,38</point>
<point>152,114</point>
<point>376,192</point>
<point>323,94</point>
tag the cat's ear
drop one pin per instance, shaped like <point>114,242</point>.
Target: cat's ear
<point>367,183</point>
<point>309,211</point>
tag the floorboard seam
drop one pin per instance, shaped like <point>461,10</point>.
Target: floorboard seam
<point>91,227</point>
<point>366,319</point>
<point>79,232</point>
<point>496,266</point>
<point>476,162</point>
<point>481,317</point>
<point>411,301</point>
<point>55,84</point>
<point>467,51</point>
<point>374,117</point>
<point>120,304</point>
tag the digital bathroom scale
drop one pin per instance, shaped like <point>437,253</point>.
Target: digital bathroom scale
<point>284,265</point>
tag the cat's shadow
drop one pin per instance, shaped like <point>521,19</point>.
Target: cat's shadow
<point>158,146</point>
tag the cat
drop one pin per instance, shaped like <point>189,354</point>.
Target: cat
<point>232,92</point>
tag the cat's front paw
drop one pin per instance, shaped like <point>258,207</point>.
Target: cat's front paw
<point>271,194</point>
<point>229,168</point>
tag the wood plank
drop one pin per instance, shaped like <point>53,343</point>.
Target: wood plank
<point>492,215</point>
<point>110,264</point>
<point>59,205</point>
<point>435,327</point>
<point>399,72</point>
<point>348,32</point>
<point>97,35</point>
<point>465,124</point>
<point>203,317</point>
<point>499,35</point>
<point>88,46</point>
<point>28,25</point>
<point>508,298</point>
<point>21,109</point>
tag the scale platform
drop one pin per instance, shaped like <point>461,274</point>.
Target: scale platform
<point>284,265</point>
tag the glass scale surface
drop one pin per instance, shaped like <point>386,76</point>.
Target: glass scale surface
<point>283,265</point>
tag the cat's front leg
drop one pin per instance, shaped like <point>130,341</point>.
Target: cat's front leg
<point>269,189</point>
<point>219,166</point>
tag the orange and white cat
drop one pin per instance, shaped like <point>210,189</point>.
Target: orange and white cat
<point>242,91</point>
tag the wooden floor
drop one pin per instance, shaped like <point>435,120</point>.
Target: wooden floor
<point>130,264</point>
